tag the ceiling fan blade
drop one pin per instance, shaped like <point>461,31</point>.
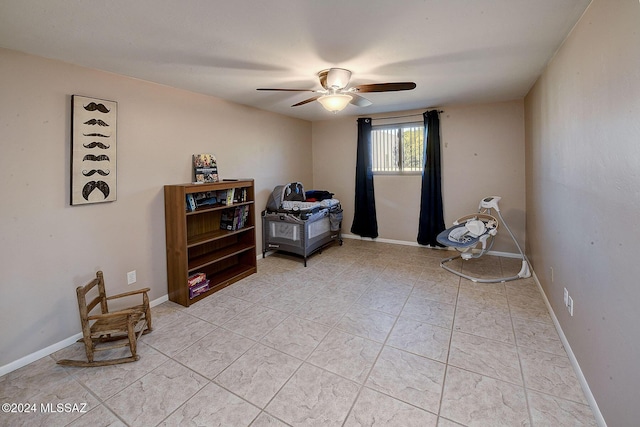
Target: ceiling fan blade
<point>287,90</point>
<point>306,101</point>
<point>359,101</point>
<point>385,87</point>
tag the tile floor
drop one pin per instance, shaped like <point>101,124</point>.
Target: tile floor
<point>369,334</point>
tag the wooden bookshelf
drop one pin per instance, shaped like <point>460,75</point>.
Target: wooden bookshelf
<point>195,242</point>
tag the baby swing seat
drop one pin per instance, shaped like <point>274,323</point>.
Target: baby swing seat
<point>476,229</point>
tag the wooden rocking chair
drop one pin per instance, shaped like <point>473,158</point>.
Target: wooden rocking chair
<point>106,330</point>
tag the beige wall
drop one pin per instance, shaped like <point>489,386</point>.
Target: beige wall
<point>583,198</point>
<point>47,247</point>
<point>482,155</point>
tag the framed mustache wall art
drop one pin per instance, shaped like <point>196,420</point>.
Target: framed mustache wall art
<point>93,150</point>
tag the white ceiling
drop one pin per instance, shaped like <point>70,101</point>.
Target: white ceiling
<point>457,51</point>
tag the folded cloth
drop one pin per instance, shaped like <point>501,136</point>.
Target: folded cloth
<point>298,205</point>
<point>327,203</point>
<point>319,195</point>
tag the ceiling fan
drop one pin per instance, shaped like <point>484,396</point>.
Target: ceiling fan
<point>334,95</point>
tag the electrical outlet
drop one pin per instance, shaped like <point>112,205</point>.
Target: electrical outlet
<point>131,277</point>
<point>566,297</point>
<point>570,306</point>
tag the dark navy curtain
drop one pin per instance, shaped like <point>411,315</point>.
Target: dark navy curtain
<point>365,222</point>
<point>431,220</point>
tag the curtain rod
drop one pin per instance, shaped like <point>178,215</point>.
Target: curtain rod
<point>401,117</point>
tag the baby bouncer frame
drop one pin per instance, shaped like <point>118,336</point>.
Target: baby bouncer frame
<point>480,228</point>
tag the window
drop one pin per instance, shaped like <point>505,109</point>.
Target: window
<point>397,148</point>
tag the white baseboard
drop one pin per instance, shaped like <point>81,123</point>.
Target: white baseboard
<point>29,358</point>
<point>378,239</point>
<point>24,361</point>
<point>406,243</point>
<point>572,358</point>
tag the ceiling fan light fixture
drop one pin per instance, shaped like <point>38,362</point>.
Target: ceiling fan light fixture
<point>335,102</point>
<point>336,94</point>
<point>337,78</point>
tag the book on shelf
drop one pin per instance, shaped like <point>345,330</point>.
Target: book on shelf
<point>196,278</point>
<point>205,168</point>
<point>226,220</point>
<point>197,200</point>
<point>198,289</point>
<point>222,196</point>
<point>245,215</point>
<point>191,203</point>
<point>234,219</point>
<point>237,222</point>
<point>240,195</point>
